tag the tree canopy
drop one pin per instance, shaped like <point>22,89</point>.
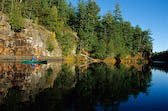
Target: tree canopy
<point>101,36</point>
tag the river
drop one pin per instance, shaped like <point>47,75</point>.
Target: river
<point>87,87</point>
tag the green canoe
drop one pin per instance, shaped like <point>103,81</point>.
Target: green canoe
<point>34,62</point>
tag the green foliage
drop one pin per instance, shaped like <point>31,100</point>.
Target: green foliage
<point>51,20</point>
<point>87,19</point>
<point>2,5</point>
<point>50,44</point>
<point>160,56</point>
<point>127,32</point>
<point>99,85</point>
<point>67,42</point>
<point>117,12</point>
<point>15,19</point>
<point>49,72</point>
<point>100,50</point>
<point>110,48</point>
<point>62,7</point>
<point>72,16</point>
<point>106,37</point>
<point>63,10</point>
<point>6,6</point>
<point>36,21</point>
<point>65,78</point>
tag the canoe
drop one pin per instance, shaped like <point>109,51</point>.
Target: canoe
<point>34,62</point>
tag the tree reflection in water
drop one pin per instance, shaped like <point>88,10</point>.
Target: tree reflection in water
<point>160,66</point>
<point>100,87</point>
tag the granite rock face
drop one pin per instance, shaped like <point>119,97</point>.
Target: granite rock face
<point>31,41</point>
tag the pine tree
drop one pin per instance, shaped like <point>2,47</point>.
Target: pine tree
<point>100,50</point>
<point>63,10</point>
<point>108,23</point>
<point>52,21</point>
<point>92,16</point>
<point>137,38</point>
<point>71,16</point>
<point>87,18</point>
<point>128,32</point>
<point>117,13</point>
<point>116,36</point>
<point>45,4</point>
<point>36,8</point>
<point>81,14</point>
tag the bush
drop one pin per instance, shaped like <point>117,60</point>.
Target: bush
<point>50,45</point>
<point>15,20</point>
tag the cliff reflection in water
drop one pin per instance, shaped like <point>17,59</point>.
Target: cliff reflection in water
<point>26,79</point>
<point>48,87</point>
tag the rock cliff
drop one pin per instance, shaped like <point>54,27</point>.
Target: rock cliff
<point>31,41</point>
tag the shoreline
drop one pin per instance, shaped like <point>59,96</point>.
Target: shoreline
<point>20,58</point>
<point>73,59</point>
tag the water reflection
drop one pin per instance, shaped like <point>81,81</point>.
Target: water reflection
<point>63,87</point>
<point>106,86</point>
<point>25,80</point>
<point>160,66</point>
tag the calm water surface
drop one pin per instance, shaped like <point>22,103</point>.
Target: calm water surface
<point>89,87</point>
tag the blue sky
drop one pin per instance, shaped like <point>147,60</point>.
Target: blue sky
<point>148,14</point>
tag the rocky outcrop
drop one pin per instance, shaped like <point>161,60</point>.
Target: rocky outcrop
<point>31,41</point>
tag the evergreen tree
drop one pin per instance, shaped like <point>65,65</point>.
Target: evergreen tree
<point>45,4</point>
<point>127,33</point>
<point>80,25</point>
<point>137,38</point>
<point>72,16</point>
<point>87,17</point>
<point>117,12</point>
<point>146,46</point>
<point>81,14</point>
<point>92,16</point>
<point>108,36</point>
<point>63,10</point>
<point>36,8</point>
<point>108,23</point>
<point>51,20</point>
<point>110,48</point>
<point>100,50</point>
